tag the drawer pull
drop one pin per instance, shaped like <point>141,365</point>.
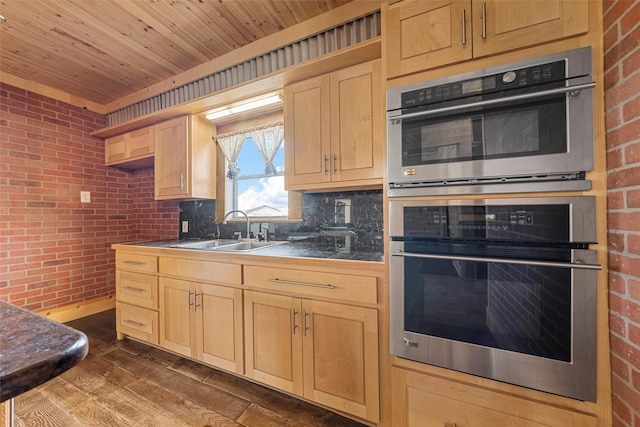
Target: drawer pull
<point>133,262</point>
<point>289,282</point>
<point>132,323</point>
<point>132,289</point>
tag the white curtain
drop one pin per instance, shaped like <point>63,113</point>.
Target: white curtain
<point>268,140</point>
<point>231,146</point>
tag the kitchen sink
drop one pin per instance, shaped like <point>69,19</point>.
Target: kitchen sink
<point>203,244</point>
<point>224,245</point>
<point>246,246</point>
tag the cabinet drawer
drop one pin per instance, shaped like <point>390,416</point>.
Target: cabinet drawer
<point>137,289</point>
<point>144,263</point>
<point>357,289</point>
<point>206,271</point>
<point>137,322</point>
<point>426,401</point>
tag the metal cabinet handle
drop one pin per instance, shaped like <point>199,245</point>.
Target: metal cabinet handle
<point>484,20</point>
<point>464,27</point>
<point>570,89</point>
<point>133,262</point>
<point>294,313</point>
<point>182,181</point>
<point>132,289</point>
<point>305,327</point>
<point>326,159</point>
<point>577,265</point>
<point>289,282</point>
<point>195,301</point>
<point>335,164</point>
<point>191,303</point>
<point>132,323</point>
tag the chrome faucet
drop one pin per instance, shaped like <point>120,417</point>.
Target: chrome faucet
<point>265,234</point>
<point>224,221</point>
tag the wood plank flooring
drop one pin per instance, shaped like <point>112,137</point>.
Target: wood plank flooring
<point>127,383</point>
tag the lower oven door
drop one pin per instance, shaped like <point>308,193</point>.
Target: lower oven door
<point>529,323</point>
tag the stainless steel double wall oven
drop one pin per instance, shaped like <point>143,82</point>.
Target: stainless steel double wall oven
<point>499,287</point>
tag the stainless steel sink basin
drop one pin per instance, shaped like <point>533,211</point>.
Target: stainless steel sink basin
<point>246,246</point>
<point>204,244</point>
<point>224,245</point>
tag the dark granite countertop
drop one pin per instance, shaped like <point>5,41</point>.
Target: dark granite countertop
<point>34,349</point>
<point>288,249</point>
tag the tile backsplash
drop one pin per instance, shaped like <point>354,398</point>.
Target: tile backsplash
<point>350,220</point>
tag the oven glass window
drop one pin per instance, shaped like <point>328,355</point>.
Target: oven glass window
<point>511,130</point>
<point>520,308</point>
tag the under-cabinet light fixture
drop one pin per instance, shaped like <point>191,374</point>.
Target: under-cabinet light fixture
<point>243,107</point>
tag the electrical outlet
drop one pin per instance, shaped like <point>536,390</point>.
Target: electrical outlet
<point>85,197</point>
<point>185,226</point>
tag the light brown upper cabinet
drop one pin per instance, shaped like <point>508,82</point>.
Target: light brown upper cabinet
<point>334,130</point>
<point>185,159</point>
<point>131,150</point>
<point>423,35</point>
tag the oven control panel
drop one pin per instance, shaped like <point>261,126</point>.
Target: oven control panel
<point>495,83</point>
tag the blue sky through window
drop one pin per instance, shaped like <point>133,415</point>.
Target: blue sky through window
<point>259,190</point>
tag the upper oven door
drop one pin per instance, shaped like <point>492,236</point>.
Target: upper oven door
<point>518,124</point>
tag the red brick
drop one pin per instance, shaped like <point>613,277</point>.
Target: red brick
<point>633,199</point>
<point>624,178</point>
<point>613,117</point>
<point>630,64</point>
<point>631,110</point>
<point>620,368</point>
<point>618,326</point>
<point>622,48</point>
<point>633,244</point>
<point>613,11</point>
<point>630,18</point>
<point>621,263</point>
<point>634,289</point>
<point>623,91</point>
<point>616,242</point>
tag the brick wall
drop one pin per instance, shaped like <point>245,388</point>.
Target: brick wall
<point>622,86</point>
<point>55,250</point>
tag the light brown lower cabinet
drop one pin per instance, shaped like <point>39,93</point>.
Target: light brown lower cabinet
<point>326,352</point>
<point>202,321</point>
<point>421,400</point>
<point>318,340</point>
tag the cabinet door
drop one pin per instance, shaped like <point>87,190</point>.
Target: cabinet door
<point>356,123</point>
<point>341,357</point>
<point>273,340</point>
<point>114,150</point>
<point>176,331</point>
<point>307,133</point>
<point>506,25</point>
<point>220,335</point>
<point>171,166</point>
<point>140,142</point>
<point>427,34</point>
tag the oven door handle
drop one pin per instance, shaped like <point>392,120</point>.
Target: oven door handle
<point>570,89</point>
<point>576,265</point>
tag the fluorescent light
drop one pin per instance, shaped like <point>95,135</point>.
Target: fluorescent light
<point>244,107</point>
<point>218,114</point>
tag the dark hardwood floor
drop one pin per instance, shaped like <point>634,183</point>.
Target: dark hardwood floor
<point>126,383</point>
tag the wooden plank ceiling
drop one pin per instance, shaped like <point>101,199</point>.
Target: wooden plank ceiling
<point>103,50</point>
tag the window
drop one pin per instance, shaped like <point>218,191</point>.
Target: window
<point>252,190</point>
<point>255,171</point>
